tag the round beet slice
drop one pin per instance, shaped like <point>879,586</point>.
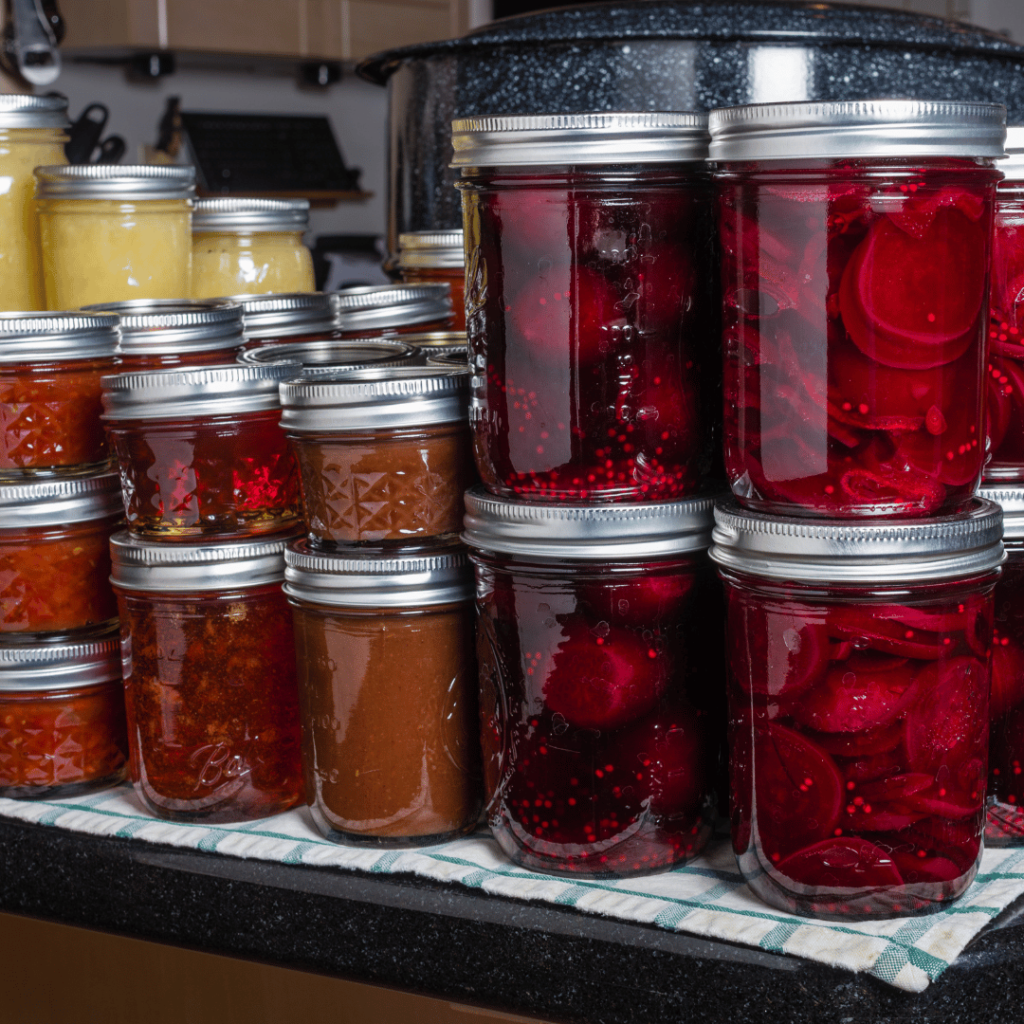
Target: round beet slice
<point>852,700</point>
<point>644,602</point>
<point>846,862</point>
<point>871,626</point>
<point>861,744</point>
<point>951,448</point>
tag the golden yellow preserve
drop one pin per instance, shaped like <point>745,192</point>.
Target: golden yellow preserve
<point>226,262</point>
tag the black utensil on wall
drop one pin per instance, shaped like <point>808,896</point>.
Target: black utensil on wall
<point>84,134</point>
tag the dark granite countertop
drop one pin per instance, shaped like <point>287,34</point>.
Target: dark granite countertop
<point>470,947</point>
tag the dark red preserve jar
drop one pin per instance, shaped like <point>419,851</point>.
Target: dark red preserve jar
<point>599,644</point>
<point>591,303</point>
<point>858,690</point>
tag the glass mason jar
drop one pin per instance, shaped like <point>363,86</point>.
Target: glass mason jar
<point>250,246</point>
<point>384,454</point>
<point>50,370</point>
<point>858,685</point>
<point>209,678</point>
<point>55,553</point>
<point>112,232</point>
<point>271,319</point>
<point>429,257</point>
<point>157,334</point>
<point>384,310</point>
<point>599,641</point>
<point>201,453</point>
<point>317,357</point>
<point>591,303</point>
<point>855,247</point>
<point>387,688</point>
<point>62,722</point>
<point>32,133</point>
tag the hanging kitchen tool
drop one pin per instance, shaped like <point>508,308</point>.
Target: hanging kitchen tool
<point>84,134</point>
<point>32,30</point>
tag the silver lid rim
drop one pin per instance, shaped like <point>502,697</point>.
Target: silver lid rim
<point>27,111</point>
<point>1010,498</point>
<point>57,337</point>
<point>60,501</point>
<point>432,250</point>
<point>169,326</point>
<point>128,182</point>
<point>238,214</point>
<point>330,356</point>
<point>285,314</point>
<point>72,666</point>
<point>377,307</point>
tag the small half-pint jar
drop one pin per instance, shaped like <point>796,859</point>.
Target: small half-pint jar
<point>209,677</point>
<point>330,356</point>
<point>200,451</point>
<point>858,690</point>
<point>388,309</point>
<point>62,721</point>
<point>271,319</point>
<point>599,646</point>
<point>384,454</point>
<point>387,688</point>
<point>428,257</point>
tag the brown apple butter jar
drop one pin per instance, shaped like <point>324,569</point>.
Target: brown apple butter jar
<point>387,693</point>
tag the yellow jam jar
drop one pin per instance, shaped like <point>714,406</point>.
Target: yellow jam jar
<point>111,232</point>
<point>31,133</point>
<point>250,247</point>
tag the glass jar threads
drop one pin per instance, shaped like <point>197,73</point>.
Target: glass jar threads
<point>856,237</point>
<point>209,678</point>
<point>386,309</point>
<point>387,687</point>
<point>32,133</point>
<point>598,630</point>
<point>858,682</point>
<point>50,370</point>
<point>244,245</point>
<point>269,319</point>
<point>112,232</point>
<point>62,721</point>
<point>425,257</point>
<point>201,453</point>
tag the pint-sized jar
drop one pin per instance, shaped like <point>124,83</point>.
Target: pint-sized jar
<point>55,553</point>
<point>387,691</point>
<point>201,453</point>
<point>330,356</point>
<point>383,310</point>
<point>599,643</point>
<point>250,246</point>
<point>157,334</point>
<point>112,232</point>
<point>858,688</point>
<point>62,722</point>
<point>384,454</point>
<point>271,319</point>
<point>32,133</point>
<point>425,257</point>
<point>50,370</point>
<point>209,678</point>
<point>855,246</point>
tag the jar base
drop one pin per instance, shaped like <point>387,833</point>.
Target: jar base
<point>223,813</point>
<point>13,475</point>
<point>64,790</point>
<point>1004,824</point>
<point>342,838</point>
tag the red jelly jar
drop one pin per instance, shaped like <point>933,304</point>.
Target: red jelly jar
<point>329,356</point>
<point>201,453</point>
<point>209,678</point>
<point>389,309</point>
<point>50,370</point>
<point>157,334</point>
<point>591,303</point>
<point>298,316</point>
<point>431,256</point>
<point>598,633</point>
<point>855,245</point>
<point>55,553</point>
<point>62,723</point>
<point>858,688</point>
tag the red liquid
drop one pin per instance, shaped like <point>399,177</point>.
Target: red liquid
<point>131,362</point>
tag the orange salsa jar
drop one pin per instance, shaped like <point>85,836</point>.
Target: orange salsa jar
<point>426,257</point>
<point>296,316</point>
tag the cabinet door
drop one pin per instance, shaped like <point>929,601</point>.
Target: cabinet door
<point>372,25</point>
<point>100,23</point>
<point>237,26</point>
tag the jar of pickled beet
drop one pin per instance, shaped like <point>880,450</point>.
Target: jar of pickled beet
<point>201,453</point>
<point>426,257</point>
<point>250,245</point>
<point>330,356</point>
<point>858,682</point>
<point>50,370</point>
<point>599,643</point>
<point>387,691</point>
<point>157,334</point>
<point>112,232</point>
<point>32,132</point>
<point>62,721</point>
<point>388,309</point>
<point>209,677</point>
<point>384,454</point>
<point>271,319</point>
<point>855,246</point>
<point>55,553</point>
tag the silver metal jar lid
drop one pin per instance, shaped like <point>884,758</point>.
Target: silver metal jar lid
<point>589,533</point>
<point>857,128</point>
<point>385,398</point>
<point>231,214</point>
<point>379,307</point>
<point>1010,498</point>
<point>60,500</point>
<point>1013,165</point>
<point>194,391</point>
<point>286,315</point>
<point>175,326</point>
<point>354,580</point>
<point>851,551</point>
<point>332,355</point>
<point>19,111</point>
<point>138,564</point>
<point>432,340</point>
<point>126,182</point>
<point>60,665</point>
<point>56,337</point>
<point>433,250</point>
<point>455,358</point>
<point>627,137</point>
